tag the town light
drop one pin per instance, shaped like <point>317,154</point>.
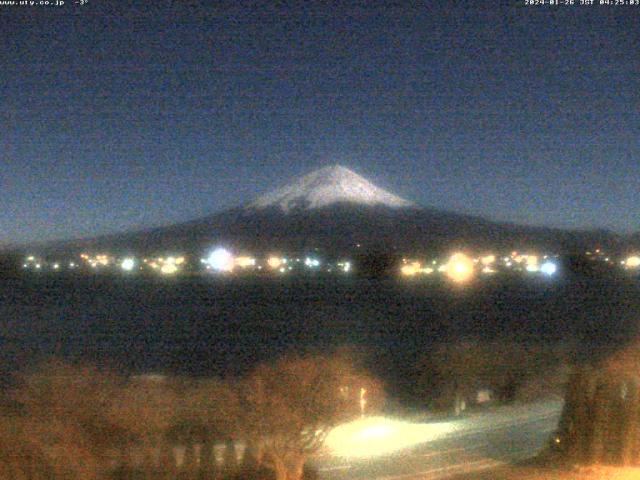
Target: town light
<point>245,262</point>
<point>274,262</point>
<point>460,268</point>
<point>128,264</point>
<point>488,260</point>
<point>221,260</point>
<point>633,261</point>
<point>410,269</point>
<point>344,266</point>
<point>311,262</point>
<point>549,268</point>
<point>168,268</point>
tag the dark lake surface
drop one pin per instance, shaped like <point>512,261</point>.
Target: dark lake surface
<point>213,326</point>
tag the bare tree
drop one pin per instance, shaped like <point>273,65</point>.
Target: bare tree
<point>212,404</point>
<point>453,373</point>
<point>63,418</point>
<point>209,413</point>
<point>600,422</point>
<point>144,408</point>
<point>290,406</point>
<point>20,458</point>
<point>77,423</point>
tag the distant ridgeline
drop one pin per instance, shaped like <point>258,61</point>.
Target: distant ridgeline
<point>601,418</point>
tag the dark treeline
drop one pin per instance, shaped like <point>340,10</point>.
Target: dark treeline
<point>506,372</point>
<point>63,421</point>
<point>601,419</point>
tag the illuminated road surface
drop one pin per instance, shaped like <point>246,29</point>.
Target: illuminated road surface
<point>387,450</point>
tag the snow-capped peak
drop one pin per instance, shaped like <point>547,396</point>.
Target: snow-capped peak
<point>329,185</point>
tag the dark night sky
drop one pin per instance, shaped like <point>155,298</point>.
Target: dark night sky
<point>115,117</point>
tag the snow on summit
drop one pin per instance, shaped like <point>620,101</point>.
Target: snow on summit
<point>329,185</point>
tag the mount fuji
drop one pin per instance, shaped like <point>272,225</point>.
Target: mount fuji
<point>325,187</point>
<point>334,210</point>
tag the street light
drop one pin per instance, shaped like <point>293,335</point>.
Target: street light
<point>363,401</point>
<point>460,268</point>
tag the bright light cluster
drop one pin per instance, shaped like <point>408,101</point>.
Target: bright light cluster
<point>32,262</point>
<point>488,260</point>
<point>128,264</point>
<point>169,268</point>
<point>411,269</point>
<point>274,262</point>
<point>460,268</point>
<point>633,261</point>
<point>345,266</point>
<point>376,436</point>
<point>312,262</point>
<point>549,268</point>
<point>97,261</point>
<point>221,260</point>
<point>166,265</point>
<point>245,262</point>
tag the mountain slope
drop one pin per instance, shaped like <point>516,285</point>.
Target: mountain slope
<point>333,210</point>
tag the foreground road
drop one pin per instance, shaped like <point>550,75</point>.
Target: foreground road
<point>442,450</point>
